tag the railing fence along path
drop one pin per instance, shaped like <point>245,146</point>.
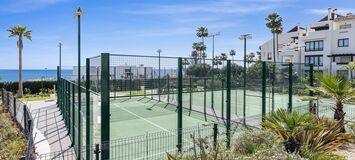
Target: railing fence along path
<point>21,114</point>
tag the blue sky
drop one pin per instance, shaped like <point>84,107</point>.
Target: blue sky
<point>143,26</point>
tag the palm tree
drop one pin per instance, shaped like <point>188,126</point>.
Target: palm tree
<point>351,68</point>
<point>274,23</point>
<point>232,53</point>
<point>340,89</point>
<point>202,32</point>
<point>20,32</point>
<point>194,55</point>
<point>199,47</point>
<point>217,61</point>
<point>223,56</point>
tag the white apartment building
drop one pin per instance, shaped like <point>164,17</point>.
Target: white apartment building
<point>327,44</point>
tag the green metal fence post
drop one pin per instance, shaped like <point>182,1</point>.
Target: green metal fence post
<point>57,87</point>
<point>311,94</point>
<point>190,99</point>
<point>130,82</point>
<point>222,90</point>
<point>290,87</point>
<point>228,102</point>
<point>88,110</point>
<point>263,91</point>
<point>64,100</point>
<point>204,97</point>
<point>179,145</point>
<point>14,105</point>
<point>145,81</point>
<point>105,105</point>
<point>168,79</point>
<point>73,115</point>
<point>69,106</point>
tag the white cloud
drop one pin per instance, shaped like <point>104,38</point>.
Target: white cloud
<point>324,11</point>
<point>21,6</point>
<point>215,7</point>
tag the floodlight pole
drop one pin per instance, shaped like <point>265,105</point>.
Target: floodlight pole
<point>212,80</point>
<point>244,38</point>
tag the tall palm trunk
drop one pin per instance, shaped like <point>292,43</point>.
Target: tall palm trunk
<point>339,114</point>
<point>20,86</point>
<point>277,47</point>
<point>273,47</point>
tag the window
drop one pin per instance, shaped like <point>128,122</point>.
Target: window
<point>343,42</point>
<point>345,26</point>
<point>314,46</point>
<point>343,59</point>
<point>316,60</point>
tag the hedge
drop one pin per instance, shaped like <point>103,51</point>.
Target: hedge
<point>34,86</point>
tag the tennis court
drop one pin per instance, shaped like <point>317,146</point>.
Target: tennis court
<point>139,115</point>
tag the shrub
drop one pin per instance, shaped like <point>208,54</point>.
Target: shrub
<point>306,134</point>
<point>33,86</point>
<point>251,141</point>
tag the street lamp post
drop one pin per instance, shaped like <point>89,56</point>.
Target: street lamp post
<point>212,80</point>
<point>79,13</point>
<point>244,38</point>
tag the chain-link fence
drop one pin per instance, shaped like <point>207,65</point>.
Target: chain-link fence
<point>122,96</point>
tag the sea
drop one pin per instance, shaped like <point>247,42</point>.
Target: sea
<point>11,75</point>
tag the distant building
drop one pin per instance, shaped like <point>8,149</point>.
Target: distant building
<point>125,71</point>
<point>327,44</point>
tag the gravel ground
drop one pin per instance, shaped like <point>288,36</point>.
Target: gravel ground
<point>349,152</point>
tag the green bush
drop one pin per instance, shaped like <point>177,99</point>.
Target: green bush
<point>34,87</point>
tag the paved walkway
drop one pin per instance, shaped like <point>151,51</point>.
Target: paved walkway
<point>50,133</point>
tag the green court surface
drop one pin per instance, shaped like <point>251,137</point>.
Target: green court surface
<point>138,116</point>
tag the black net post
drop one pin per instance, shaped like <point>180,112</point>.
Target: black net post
<point>290,87</point>
<point>263,91</point>
<point>97,151</point>
<point>179,145</point>
<point>228,116</point>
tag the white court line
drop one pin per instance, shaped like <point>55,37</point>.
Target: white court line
<point>150,122</point>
